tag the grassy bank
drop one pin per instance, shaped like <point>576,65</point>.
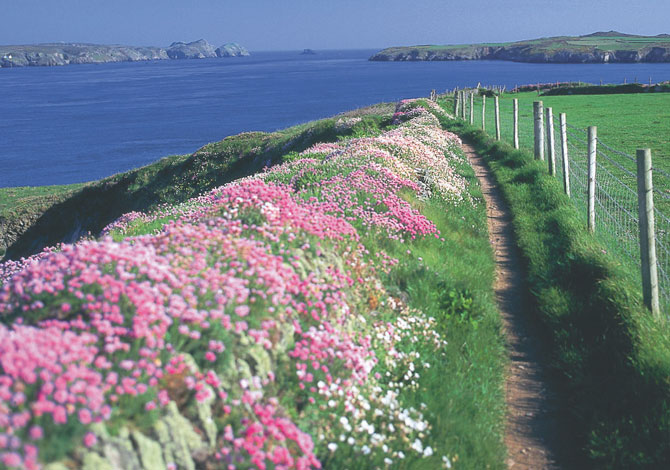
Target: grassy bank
<point>171,180</point>
<point>21,206</point>
<point>613,358</point>
<point>337,308</point>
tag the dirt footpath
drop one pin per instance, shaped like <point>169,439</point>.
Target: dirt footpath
<point>532,430</point>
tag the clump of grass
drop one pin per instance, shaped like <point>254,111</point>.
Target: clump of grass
<point>452,281</point>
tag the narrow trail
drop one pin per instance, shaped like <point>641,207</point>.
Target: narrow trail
<point>532,431</point>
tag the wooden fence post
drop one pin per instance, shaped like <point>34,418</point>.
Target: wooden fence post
<point>645,201</point>
<point>464,100</point>
<point>472,108</point>
<point>538,116</point>
<point>497,106</point>
<point>484,112</point>
<point>593,142</point>
<point>551,157</point>
<point>564,153</point>
<point>456,95</point>
<point>516,123</point>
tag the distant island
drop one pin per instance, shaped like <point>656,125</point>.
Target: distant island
<point>64,54</point>
<point>601,47</point>
<point>308,52</point>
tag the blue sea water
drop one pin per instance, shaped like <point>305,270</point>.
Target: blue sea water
<point>78,123</point>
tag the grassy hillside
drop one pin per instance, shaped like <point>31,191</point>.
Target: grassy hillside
<point>15,200</point>
<point>599,41</point>
<point>335,311</point>
<point>598,47</point>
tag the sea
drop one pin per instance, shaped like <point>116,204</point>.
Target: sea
<point>78,123</point>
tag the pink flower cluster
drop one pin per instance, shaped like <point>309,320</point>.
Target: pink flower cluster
<point>125,220</point>
<point>45,373</point>
<point>102,322</point>
<point>200,278</point>
<point>403,116</point>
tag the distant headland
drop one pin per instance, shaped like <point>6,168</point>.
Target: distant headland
<point>601,47</point>
<point>75,53</point>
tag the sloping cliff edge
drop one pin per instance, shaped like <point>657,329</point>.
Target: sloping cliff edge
<point>522,54</point>
<point>65,54</point>
<point>602,47</point>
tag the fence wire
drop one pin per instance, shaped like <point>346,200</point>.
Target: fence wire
<point>616,197</point>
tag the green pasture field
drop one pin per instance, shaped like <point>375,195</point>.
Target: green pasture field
<point>625,122</point>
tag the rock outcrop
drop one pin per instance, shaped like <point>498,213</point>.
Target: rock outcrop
<point>65,54</point>
<point>231,49</point>
<point>199,49</point>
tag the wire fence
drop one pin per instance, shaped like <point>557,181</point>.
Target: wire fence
<point>616,191</point>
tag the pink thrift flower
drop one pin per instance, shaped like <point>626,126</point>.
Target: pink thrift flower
<point>36,433</point>
<point>242,310</point>
<point>12,459</point>
<point>84,416</point>
<point>90,439</point>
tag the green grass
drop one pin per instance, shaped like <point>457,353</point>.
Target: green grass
<point>454,284</point>
<point>19,206</point>
<point>612,356</point>
<point>21,199</point>
<point>625,121</point>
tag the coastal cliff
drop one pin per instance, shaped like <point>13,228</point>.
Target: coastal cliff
<point>65,54</point>
<point>603,47</point>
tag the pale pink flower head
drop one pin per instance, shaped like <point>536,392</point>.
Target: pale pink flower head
<point>90,439</point>
<point>242,310</point>
<point>36,433</point>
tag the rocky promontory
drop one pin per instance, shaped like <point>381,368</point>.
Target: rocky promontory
<point>601,47</point>
<point>76,53</point>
